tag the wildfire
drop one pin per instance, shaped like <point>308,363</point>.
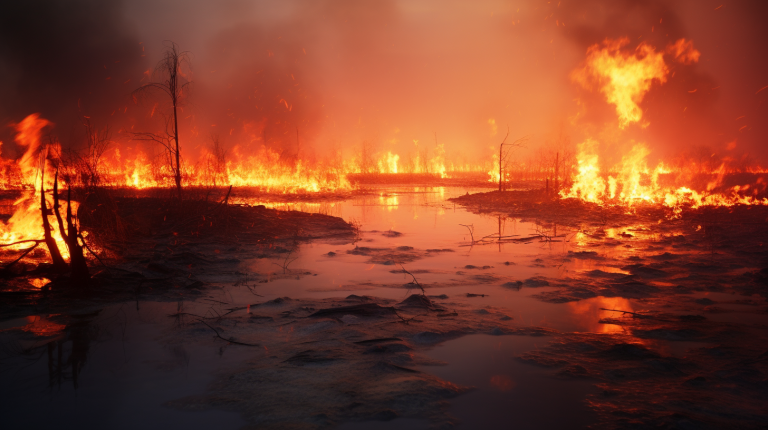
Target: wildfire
<point>26,221</point>
<point>624,77</point>
<point>633,182</point>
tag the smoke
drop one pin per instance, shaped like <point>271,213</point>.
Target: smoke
<point>320,78</point>
<point>694,110</point>
<point>65,59</point>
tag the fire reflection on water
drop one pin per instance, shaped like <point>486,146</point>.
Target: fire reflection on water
<point>42,326</point>
<point>589,312</point>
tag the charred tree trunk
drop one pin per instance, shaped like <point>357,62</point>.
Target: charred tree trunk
<point>56,211</point>
<point>175,88</point>
<point>501,175</point>
<point>176,139</point>
<point>557,173</point>
<point>77,262</point>
<point>56,258</point>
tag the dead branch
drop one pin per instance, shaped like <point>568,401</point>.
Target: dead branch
<point>415,281</point>
<point>21,256</point>
<point>77,262</point>
<point>408,320</point>
<point>471,228</point>
<point>634,314</point>
<point>53,249</point>
<point>85,244</point>
<point>225,339</point>
<point>22,241</point>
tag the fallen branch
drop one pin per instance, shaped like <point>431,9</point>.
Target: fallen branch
<point>225,339</point>
<point>471,228</point>
<point>82,239</point>
<point>634,314</point>
<point>22,255</point>
<point>22,241</point>
<point>423,293</point>
<point>408,320</point>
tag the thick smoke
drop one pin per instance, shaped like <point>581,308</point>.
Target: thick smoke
<point>65,59</point>
<point>314,77</point>
<point>694,112</point>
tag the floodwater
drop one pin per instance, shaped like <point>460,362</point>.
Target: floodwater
<point>115,369</point>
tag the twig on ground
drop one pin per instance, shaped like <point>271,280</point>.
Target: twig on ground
<point>22,241</point>
<point>22,255</point>
<point>82,239</point>
<point>634,314</point>
<point>408,320</point>
<point>415,281</point>
<point>471,228</point>
<point>225,339</point>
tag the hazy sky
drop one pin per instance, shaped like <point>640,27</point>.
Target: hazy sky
<point>392,73</point>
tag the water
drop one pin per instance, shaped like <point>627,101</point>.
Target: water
<point>117,370</point>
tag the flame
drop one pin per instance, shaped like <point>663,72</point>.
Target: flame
<point>624,76</point>
<point>632,182</point>
<point>26,222</point>
<point>683,51</point>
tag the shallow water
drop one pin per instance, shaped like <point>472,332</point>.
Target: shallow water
<point>126,373</point>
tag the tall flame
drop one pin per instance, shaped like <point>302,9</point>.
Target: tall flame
<point>26,222</point>
<point>623,76</point>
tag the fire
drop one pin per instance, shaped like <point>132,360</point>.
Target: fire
<point>632,182</point>
<point>389,164</point>
<point>264,169</point>
<point>589,185</point>
<point>26,222</point>
<point>624,77</point>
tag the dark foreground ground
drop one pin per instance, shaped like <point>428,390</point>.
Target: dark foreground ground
<point>666,263</point>
<point>323,362</point>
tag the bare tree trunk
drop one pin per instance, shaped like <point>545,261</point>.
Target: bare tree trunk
<point>56,258</point>
<point>501,176</point>
<point>557,172</point>
<point>62,231</point>
<point>174,98</point>
<point>77,262</point>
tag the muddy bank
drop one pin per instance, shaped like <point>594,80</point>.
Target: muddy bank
<point>537,204</point>
<point>323,362</point>
<point>159,247</point>
<point>690,351</point>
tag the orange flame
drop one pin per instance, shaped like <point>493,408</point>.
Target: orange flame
<point>624,77</point>
<point>26,222</point>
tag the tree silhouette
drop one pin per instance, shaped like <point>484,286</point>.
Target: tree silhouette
<point>175,85</point>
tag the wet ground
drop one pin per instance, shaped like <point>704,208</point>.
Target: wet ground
<point>526,322</point>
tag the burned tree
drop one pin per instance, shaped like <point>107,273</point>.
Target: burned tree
<point>97,142</point>
<point>504,155</point>
<point>50,242</point>
<point>175,85</point>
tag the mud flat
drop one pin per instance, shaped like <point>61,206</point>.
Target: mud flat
<point>698,283</point>
<point>646,320</point>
